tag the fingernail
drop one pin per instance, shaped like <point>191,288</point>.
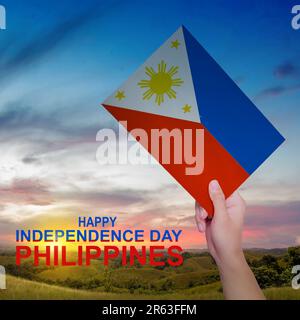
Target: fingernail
<point>214,186</point>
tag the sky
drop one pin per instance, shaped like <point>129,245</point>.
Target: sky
<point>59,61</point>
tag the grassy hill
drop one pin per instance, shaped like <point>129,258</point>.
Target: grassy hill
<point>24,289</point>
<point>196,278</point>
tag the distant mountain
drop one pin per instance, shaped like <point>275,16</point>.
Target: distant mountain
<point>260,251</point>
<point>273,251</point>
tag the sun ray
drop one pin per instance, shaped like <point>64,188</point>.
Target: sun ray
<point>177,82</point>
<point>148,94</point>
<point>150,72</point>
<point>144,83</point>
<point>171,94</point>
<point>160,82</point>
<point>162,67</point>
<point>159,99</point>
<point>172,71</point>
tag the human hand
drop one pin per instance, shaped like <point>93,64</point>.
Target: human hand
<point>224,240</point>
<point>224,231</point>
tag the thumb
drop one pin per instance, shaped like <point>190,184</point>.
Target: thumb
<point>218,199</point>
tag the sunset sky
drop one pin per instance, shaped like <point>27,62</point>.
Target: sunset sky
<point>59,61</point>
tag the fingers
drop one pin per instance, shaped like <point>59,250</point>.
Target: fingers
<point>218,199</point>
<point>236,207</point>
<point>209,239</point>
<point>236,200</point>
<point>200,216</point>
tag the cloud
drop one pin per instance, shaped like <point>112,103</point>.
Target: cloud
<point>30,159</point>
<point>277,91</point>
<point>239,80</point>
<point>43,44</point>
<point>287,69</point>
<point>282,71</point>
<point>104,199</point>
<point>18,117</point>
<point>272,225</point>
<point>48,40</point>
<point>273,216</point>
<point>23,199</point>
<point>25,191</point>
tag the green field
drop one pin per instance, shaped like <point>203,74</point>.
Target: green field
<point>24,289</point>
<point>197,278</point>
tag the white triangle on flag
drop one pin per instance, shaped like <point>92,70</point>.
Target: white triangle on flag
<point>163,85</point>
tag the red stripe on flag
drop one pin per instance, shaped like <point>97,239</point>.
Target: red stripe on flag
<point>218,163</point>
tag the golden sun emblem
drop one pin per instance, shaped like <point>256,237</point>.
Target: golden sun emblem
<point>160,83</point>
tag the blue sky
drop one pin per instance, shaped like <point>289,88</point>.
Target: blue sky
<point>59,60</point>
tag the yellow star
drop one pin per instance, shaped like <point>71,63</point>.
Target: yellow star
<point>120,95</point>
<point>175,44</point>
<point>186,108</point>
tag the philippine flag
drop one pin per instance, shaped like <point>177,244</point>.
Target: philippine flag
<point>181,87</point>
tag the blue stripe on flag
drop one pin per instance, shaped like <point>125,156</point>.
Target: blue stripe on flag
<point>227,112</point>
